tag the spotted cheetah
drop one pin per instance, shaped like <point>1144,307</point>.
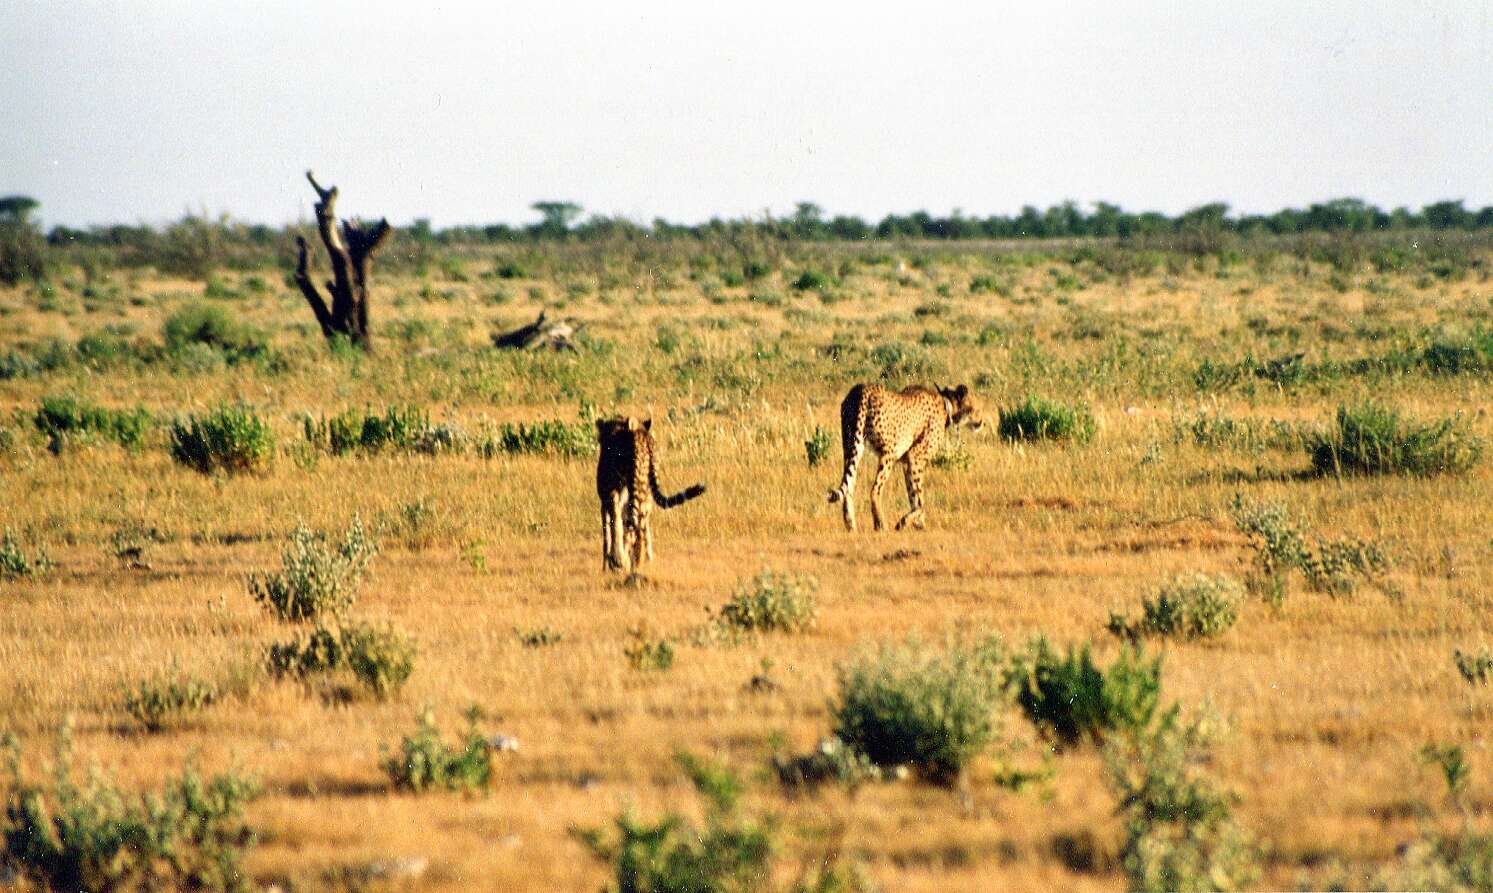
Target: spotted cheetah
<point>627,483</point>
<point>901,426</point>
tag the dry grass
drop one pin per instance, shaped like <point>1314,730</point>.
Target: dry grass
<point>1329,698</point>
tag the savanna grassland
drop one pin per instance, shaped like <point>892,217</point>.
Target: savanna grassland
<point>1207,374</point>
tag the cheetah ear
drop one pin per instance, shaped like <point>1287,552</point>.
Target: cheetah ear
<point>961,392</point>
<point>647,424</point>
<point>601,426</point>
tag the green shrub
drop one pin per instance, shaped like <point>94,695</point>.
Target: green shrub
<point>70,834</point>
<point>317,578</point>
<point>382,659</point>
<point>953,455</point>
<point>425,761</point>
<point>1071,700</point>
<point>64,418</point>
<point>163,699</point>
<point>1375,439</point>
<point>548,436</point>
<point>1180,832</point>
<point>399,428</point>
<point>899,362</point>
<point>770,603</point>
<point>1216,430</point>
<point>671,855</point>
<point>1477,668</point>
<point>818,445</point>
<point>539,637</point>
<point>228,438</point>
<point>1194,606</point>
<point>813,279</point>
<point>1039,419</point>
<point>213,327</point>
<point>908,704</point>
<point>16,563</point>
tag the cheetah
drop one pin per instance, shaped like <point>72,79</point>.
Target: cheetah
<point>627,483</point>
<point>901,426</point>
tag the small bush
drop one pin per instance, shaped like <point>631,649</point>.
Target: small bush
<point>1477,668</point>
<point>1071,700</point>
<point>933,710</point>
<point>818,445</point>
<point>16,563</point>
<point>730,853</point>
<point>813,279</point>
<point>645,652</point>
<point>161,700</point>
<point>1194,606</point>
<point>770,603</point>
<point>381,659</point>
<point>1333,567</point>
<point>425,761</point>
<point>64,418</point>
<point>1039,419</point>
<point>317,579</point>
<point>1216,430</point>
<point>229,438</point>
<point>1374,439</point>
<point>88,834</point>
<point>1180,832</point>
<point>539,637</point>
<point>831,761</point>
<point>213,327</point>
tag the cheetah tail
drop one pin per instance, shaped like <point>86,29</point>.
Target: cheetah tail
<point>678,499</point>
<point>852,438</point>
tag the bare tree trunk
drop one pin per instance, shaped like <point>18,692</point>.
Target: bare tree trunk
<point>351,247</point>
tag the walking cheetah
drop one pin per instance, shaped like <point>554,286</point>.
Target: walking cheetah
<point>901,426</point>
<point>627,483</point>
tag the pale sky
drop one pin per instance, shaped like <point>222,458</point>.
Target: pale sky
<point>468,113</point>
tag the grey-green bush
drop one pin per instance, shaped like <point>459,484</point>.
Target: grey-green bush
<point>317,578</point>
<point>166,698</point>
<point>17,562</point>
<point>1072,700</point>
<point>1191,606</point>
<point>1370,438</point>
<point>771,602</point>
<point>934,710</point>
<point>425,761</point>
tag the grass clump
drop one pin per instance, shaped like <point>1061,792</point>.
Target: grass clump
<point>1477,668</point>
<point>1193,606</point>
<point>771,603</point>
<point>933,710</point>
<point>645,652</point>
<point>425,761</point>
<point>71,834</point>
<point>1374,439</point>
<point>166,698</point>
<point>1180,832</point>
<point>232,439</point>
<point>812,279</point>
<point>1038,419</point>
<point>1072,700</point>
<point>317,578</point>
<point>62,419</point>
<point>16,562</point>
<point>539,637</point>
<point>1215,430</point>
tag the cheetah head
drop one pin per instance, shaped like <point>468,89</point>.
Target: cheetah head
<point>963,407</point>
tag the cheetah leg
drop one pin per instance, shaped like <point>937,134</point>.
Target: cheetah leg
<point>638,522</point>
<point>915,468</point>
<point>607,559</point>
<point>648,536</point>
<point>883,471</point>
<point>619,531</point>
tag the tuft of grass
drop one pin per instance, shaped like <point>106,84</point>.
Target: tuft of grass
<point>553,436</point>
<point>398,428</point>
<point>812,279</point>
<point>1371,438</point>
<point>908,704</point>
<point>232,439</point>
<point>770,603</point>
<point>317,578</point>
<point>1192,606</point>
<point>89,834</point>
<point>1072,700</point>
<point>16,563</point>
<point>210,326</point>
<point>539,637</point>
<point>1036,418</point>
<point>1477,668</point>
<point>425,761</point>
<point>818,445</point>
<point>166,698</point>
<point>646,652</point>
<point>832,760</point>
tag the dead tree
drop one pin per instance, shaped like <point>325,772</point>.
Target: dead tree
<point>542,332</point>
<point>351,246</point>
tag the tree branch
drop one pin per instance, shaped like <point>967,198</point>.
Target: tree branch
<point>308,288</point>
